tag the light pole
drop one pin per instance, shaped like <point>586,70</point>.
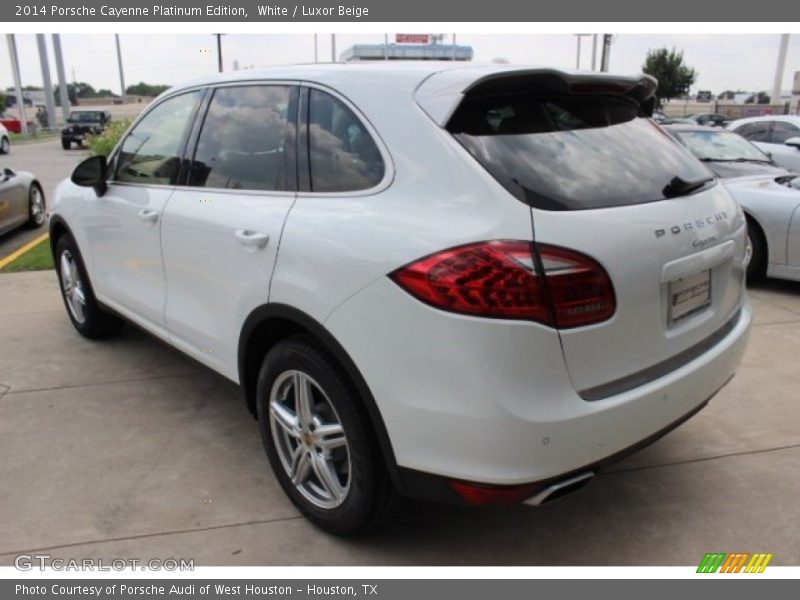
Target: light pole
<point>333,47</point>
<point>316,49</point>
<point>219,50</point>
<point>779,67</point>
<point>578,38</point>
<point>594,52</point>
<point>121,72</point>
<point>605,60</point>
<point>12,51</point>
<point>46,81</point>
<point>63,93</point>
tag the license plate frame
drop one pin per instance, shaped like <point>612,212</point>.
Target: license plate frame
<point>688,296</point>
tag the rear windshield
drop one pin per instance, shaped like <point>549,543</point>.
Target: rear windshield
<point>572,152</point>
<point>89,116</point>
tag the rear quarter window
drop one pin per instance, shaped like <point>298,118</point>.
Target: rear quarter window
<point>572,152</point>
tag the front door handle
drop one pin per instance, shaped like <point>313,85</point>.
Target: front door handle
<point>250,238</point>
<point>148,216</point>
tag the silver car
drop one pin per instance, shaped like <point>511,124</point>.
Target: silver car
<point>769,195</point>
<point>22,200</point>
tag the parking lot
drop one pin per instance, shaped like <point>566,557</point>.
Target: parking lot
<point>125,448</point>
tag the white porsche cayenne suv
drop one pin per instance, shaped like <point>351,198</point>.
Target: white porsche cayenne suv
<point>470,284</point>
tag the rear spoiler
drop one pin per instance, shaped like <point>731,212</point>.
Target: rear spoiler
<point>440,94</point>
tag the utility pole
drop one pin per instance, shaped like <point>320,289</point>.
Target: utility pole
<point>779,68</point>
<point>219,51</point>
<point>12,51</point>
<point>316,49</point>
<point>594,52</point>
<point>47,83</point>
<point>63,93</point>
<point>385,46</point>
<point>124,93</point>
<point>333,47</point>
<point>605,60</point>
<point>454,47</point>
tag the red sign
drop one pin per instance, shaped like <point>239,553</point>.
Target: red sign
<point>412,38</point>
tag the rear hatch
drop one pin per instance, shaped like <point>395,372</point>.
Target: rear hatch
<point>603,180</point>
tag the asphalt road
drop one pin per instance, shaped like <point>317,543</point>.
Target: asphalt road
<point>50,164</point>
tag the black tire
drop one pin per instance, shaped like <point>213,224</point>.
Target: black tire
<point>36,218</point>
<point>66,144</point>
<point>97,323</point>
<point>371,498</point>
<point>757,269</point>
<point>5,145</point>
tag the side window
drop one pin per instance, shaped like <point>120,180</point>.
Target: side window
<point>755,132</point>
<point>151,152</point>
<point>244,139</point>
<point>782,131</point>
<point>342,154</point>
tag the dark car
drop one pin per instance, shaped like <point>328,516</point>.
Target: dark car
<point>81,124</point>
<point>709,119</point>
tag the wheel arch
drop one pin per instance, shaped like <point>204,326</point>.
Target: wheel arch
<point>58,227</point>
<point>753,221</point>
<point>269,324</point>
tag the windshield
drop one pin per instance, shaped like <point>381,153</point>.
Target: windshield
<point>720,146</point>
<point>573,152</point>
<point>85,116</point>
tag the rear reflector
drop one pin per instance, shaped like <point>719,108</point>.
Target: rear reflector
<point>501,279</point>
<point>482,495</point>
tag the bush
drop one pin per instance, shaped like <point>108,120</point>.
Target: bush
<point>103,144</point>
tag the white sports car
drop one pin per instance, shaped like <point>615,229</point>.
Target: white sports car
<point>769,195</point>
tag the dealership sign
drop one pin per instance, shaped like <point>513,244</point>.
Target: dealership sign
<point>412,38</point>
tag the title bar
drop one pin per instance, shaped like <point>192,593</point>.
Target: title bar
<point>464,11</point>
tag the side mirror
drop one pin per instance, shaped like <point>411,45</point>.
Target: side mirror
<point>794,142</point>
<point>92,173</point>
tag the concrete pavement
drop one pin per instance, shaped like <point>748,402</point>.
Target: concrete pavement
<point>125,448</point>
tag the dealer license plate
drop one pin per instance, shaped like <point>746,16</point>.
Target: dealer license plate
<point>689,295</point>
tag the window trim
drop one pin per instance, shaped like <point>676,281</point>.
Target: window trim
<point>199,121</point>
<point>114,155</point>
<point>305,149</point>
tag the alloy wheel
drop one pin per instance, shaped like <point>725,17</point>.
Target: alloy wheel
<point>72,287</point>
<point>37,205</point>
<point>309,439</point>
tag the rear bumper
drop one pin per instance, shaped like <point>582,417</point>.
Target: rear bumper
<point>491,402</point>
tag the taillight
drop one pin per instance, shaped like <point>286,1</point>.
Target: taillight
<point>500,279</point>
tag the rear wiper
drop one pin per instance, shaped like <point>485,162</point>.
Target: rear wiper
<point>681,187</point>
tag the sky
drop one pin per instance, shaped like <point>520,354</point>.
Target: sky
<point>723,61</point>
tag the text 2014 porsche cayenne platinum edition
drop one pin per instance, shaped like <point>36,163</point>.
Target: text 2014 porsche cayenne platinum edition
<point>467,284</point>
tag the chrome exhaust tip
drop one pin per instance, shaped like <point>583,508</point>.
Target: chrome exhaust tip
<point>560,488</point>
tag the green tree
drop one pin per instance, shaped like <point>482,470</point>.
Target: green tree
<point>145,89</point>
<point>674,77</point>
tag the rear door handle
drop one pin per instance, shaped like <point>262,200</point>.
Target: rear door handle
<point>148,216</point>
<point>255,239</point>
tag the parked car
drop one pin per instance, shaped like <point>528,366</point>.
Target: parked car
<point>492,281</point>
<point>81,124</point>
<point>709,119</point>
<point>5,140</point>
<point>663,119</point>
<point>11,124</point>
<point>22,200</point>
<point>769,194</point>
<point>779,135</point>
